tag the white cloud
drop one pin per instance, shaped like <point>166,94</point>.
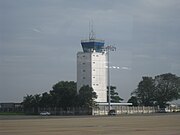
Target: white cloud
<point>125,68</point>
<point>36,30</point>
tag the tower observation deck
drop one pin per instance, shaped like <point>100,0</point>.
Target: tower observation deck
<point>91,45</point>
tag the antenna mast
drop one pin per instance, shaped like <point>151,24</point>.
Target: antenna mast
<point>91,31</point>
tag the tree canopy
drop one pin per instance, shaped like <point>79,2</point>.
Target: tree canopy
<point>158,91</point>
<point>133,100</point>
<point>63,95</point>
<point>167,88</point>
<point>87,96</point>
<point>114,96</point>
<point>145,91</point>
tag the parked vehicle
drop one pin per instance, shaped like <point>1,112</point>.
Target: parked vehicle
<point>164,110</point>
<point>112,112</point>
<point>45,113</point>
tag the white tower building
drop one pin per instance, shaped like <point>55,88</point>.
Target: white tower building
<point>92,67</point>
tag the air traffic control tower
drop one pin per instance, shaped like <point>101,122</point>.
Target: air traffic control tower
<point>92,67</point>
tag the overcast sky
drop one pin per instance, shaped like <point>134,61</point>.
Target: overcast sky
<point>39,40</point>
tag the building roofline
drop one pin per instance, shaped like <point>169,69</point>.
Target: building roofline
<point>92,40</point>
<point>120,104</point>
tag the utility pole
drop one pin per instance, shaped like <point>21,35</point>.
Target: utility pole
<point>108,49</point>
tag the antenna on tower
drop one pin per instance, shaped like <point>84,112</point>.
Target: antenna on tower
<point>91,30</point>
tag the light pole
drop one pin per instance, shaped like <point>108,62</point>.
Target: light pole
<point>108,49</point>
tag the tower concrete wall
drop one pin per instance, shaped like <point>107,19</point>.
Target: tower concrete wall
<point>92,71</point>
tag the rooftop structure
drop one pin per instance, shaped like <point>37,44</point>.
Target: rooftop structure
<point>92,45</point>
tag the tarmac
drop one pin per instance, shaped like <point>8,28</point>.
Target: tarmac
<point>155,124</point>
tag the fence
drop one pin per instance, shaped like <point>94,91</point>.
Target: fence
<point>100,110</point>
<point>60,111</point>
<point>103,110</point>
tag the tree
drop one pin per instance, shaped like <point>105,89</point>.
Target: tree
<point>36,102</point>
<point>28,102</point>
<point>167,88</point>
<point>133,100</point>
<point>158,91</point>
<point>64,94</point>
<point>87,97</point>
<point>46,100</point>
<point>114,95</point>
<point>31,102</point>
<point>145,91</point>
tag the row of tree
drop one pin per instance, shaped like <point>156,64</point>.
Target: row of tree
<point>156,91</point>
<point>150,92</point>
<point>64,95</point>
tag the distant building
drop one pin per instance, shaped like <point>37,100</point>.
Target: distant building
<point>92,67</point>
<point>10,107</point>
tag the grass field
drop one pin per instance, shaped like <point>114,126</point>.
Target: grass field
<point>117,125</point>
<point>10,113</point>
